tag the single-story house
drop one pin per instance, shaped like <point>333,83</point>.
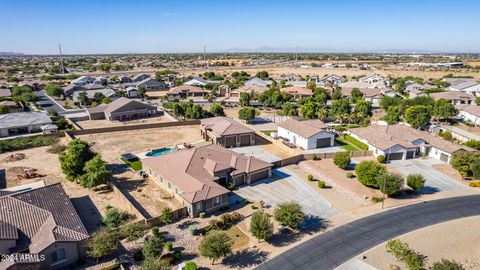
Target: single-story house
<point>396,142</point>
<point>125,79</point>
<point>140,77</point>
<point>40,221</point>
<point>306,134</point>
<point>297,92</point>
<point>258,82</point>
<point>82,80</point>
<point>149,84</point>
<point>91,93</point>
<point>201,81</point>
<point>375,81</point>
<point>226,132</point>
<point>456,97</point>
<point>131,92</point>
<point>198,176</point>
<point>373,95</point>
<point>469,86</point>
<point>469,113</point>
<point>12,106</point>
<point>93,86</point>
<point>34,85</point>
<point>17,123</point>
<point>122,109</point>
<point>72,88</point>
<point>185,91</point>
<point>251,89</point>
<point>457,133</point>
<point>5,92</point>
<point>331,79</point>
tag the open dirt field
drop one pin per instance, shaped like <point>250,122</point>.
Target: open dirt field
<point>112,145</point>
<point>89,124</point>
<point>449,240</point>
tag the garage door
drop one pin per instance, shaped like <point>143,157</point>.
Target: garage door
<point>443,157</point>
<point>410,154</point>
<point>258,176</point>
<point>394,156</point>
<point>325,142</point>
<point>230,142</point>
<point>244,140</point>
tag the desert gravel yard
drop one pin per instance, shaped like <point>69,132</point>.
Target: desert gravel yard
<point>436,181</point>
<point>286,186</point>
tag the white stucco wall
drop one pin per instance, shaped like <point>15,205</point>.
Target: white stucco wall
<point>468,116</point>
<point>305,143</point>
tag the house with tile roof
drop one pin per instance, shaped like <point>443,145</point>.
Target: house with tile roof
<point>399,142</point>
<point>306,134</point>
<point>184,92</point>
<point>12,124</point>
<point>122,109</point>
<point>251,89</point>
<point>198,176</point>
<point>455,97</point>
<point>297,92</point>
<point>466,85</point>
<point>41,222</point>
<point>226,132</point>
<point>469,113</point>
<point>258,82</point>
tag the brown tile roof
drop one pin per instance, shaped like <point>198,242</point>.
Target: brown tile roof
<point>192,170</point>
<point>305,128</point>
<point>472,109</point>
<point>252,89</point>
<point>185,89</point>
<point>5,92</point>
<point>222,126</point>
<point>295,90</point>
<point>453,95</point>
<point>387,136</point>
<point>40,217</point>
<point>123,101</point>
<point>367,92</point>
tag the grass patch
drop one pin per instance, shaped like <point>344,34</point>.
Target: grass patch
<point>346,145</point>
<point>136,165</point>
<point>268,132</point>
<point>239,238</point>
<point>25,143</point>
<point>356,142</point>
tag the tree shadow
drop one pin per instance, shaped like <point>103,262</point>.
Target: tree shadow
<point>186,224</point>
<point>247,257</point>
<point>261,141</point>
<point>88,212</point>
<point>312,224</point>
<point>285,238</point>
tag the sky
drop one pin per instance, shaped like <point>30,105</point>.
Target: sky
<point>140,26</point>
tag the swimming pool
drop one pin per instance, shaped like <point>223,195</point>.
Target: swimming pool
<point>159,152</point>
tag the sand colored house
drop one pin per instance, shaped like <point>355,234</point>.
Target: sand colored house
<point>297,92</point>
<point>307,134</point>
<point>40,221</point>
<point>122,109</point>
<point>455,97</point>
<point>226,132</point>
<point>469,113</point>
<point>185,91</point>
<point>251,89</point>
<point>397,142</point>
<point>198,176</point>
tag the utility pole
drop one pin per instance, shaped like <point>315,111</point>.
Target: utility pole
<point>296,54</point>
<point>385,181</point>
<point>205,56</point>
<point>61,58</point>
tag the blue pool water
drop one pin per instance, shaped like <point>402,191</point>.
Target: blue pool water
<point>159,152</point>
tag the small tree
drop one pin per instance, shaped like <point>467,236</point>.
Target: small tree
<point>418,116</point>
<point>390,183</point>
<point>216,245</point>
<point>96,173</point>
<point>98,96</point>
<point>114,217</point>
<point>54,90</point>
<point>106,100</point>
<point>447,265</point>
<point>102,243</point>
<point>262,75</point>
<point>133,231</point>
<point>342,159</point>
<point>168,246</point>
<point>190,266</point>
<point>217,110</point>
<point>260,226</point>
<point>153,247</point>
<point>245,99</point>
<point>289,214</point>
<point>381,159</point>
<point>83,98</point>
<point>367,171</point>
<point>416,181</point>
<point>73,160</point>
<point>247,113</point>
<point>166,216</point>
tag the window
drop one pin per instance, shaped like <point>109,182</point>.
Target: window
<point>169,185</point>
<point>161,179</point>
<point>176,190</point>
<point>216,201</point>
<point>58,255</point>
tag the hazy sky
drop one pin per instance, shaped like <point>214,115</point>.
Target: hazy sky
<point>140,26</point>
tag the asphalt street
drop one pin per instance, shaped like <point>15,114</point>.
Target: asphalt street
<point>332,248</point>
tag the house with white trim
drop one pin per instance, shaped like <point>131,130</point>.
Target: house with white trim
<point>306,134</point>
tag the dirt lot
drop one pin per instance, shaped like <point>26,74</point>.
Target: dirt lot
<point>112,145</point>
<point>89,124</point>
<point>449,240</point>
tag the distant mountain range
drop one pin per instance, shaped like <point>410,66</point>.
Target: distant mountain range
<point>10,53</point>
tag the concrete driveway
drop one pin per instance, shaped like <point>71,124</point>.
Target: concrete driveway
<point>256,151</point>
<point>435,180</point>
<point>285,186</point>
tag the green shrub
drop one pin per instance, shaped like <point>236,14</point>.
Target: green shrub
<point>114,217</point>
<point>342,159</point>
<point>155,231</point>
<point>25,143</point>
<point>310,177</point>
<point>350,175</point>
<point>102,243</point>
<point>202,214</point>
<point>190,266</point>
<point>381,159</point>
<point>367,172</point>
<point>192,229</point>
<point>133,231</point>
<point>289,214</point>
<point>416,181</point>
<point>321,184</point>
<point>377,199</point>
<point>177,255</point>
<point>401,251</point>
<point>230,186</point>
<point>390,183</point>
<point>168,246</point>
<point>447,265</point>
<point>474,184</point>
